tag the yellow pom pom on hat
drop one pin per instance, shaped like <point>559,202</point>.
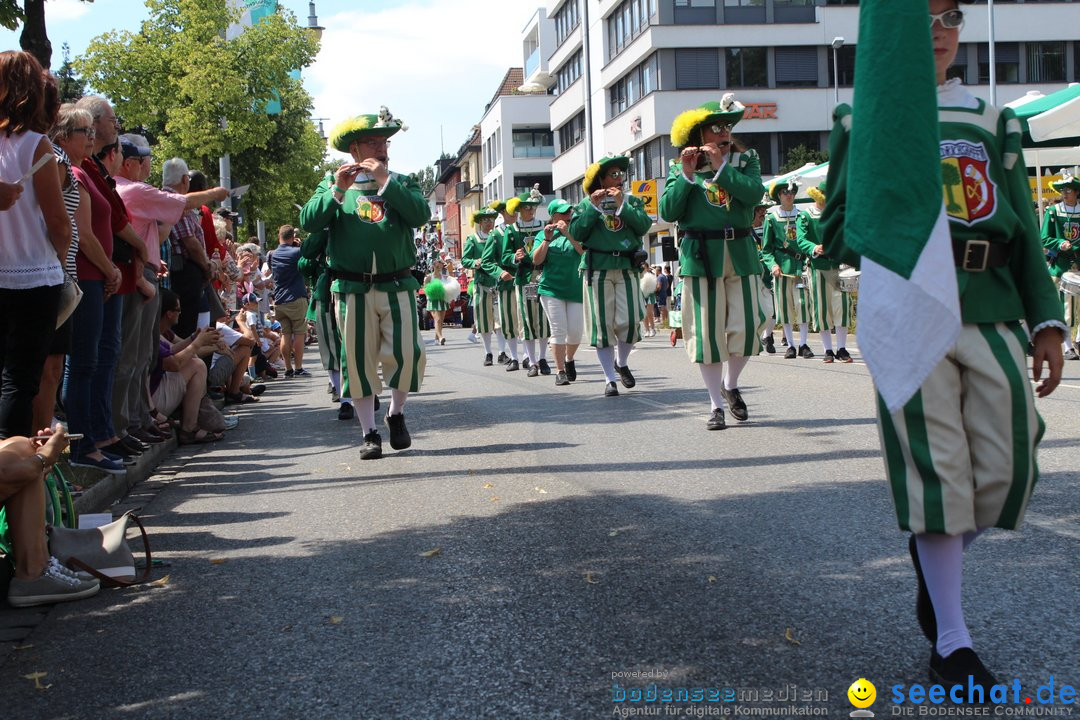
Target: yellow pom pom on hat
<point>817,194</point>
<point>512,205</point>
<point>362,126</point>
<point>534,197</point>
<point>728,111</point>
<point>483,214</point>
<point>775,187</point>
<point>595,172</point>
<point>497,205</point>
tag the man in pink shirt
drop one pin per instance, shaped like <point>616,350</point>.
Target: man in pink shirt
<point>153,213</point>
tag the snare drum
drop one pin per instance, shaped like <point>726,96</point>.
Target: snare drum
<point>531,291</point>
<point>805,281</point>
<point>849,280</point>
<point>1069,283</point>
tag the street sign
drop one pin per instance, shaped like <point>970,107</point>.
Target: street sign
<point>646,190</point>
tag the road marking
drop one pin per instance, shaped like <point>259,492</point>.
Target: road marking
<point>1054,525</point>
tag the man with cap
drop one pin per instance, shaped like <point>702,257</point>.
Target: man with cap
<point>1061,239</point>
<point>516,252</point>
<point>711,192</point>
<point>609,225</point>
<point>784,261</point>
<point>484,285</point>
<point>370,214</point>
<point>830,308</point>
<point>491,263</point>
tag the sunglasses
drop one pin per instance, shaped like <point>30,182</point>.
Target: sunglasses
<point>616,174</point>
<point>950,19</point>
<point>720,128</point>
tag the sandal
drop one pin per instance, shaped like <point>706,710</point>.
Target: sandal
<point>197,436</point>
<point>239,399</point>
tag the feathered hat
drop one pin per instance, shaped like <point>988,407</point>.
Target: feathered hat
<point>728,111</point>
<point>534,197</point>
<point>774,189</point>
<point>817,194</point>
<point>595,172</point>
<point>1066,182</point>
<point>484,213</point>
<point>363,126</point>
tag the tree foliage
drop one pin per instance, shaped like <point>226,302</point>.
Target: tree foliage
<point>31,14</point>
<point>202,96</point>
<point>800,155</point>
<point>72,87</point>
<point>426,179</point>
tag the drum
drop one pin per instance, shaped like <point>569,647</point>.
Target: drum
<point>1069,283</point>
<point>849,280</point>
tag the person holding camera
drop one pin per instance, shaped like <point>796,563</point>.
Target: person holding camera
<point>711,192</point>
<point>610,225</point>
<point>560,287</point>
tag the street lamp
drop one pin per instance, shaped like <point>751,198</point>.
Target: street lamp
<point>313,21</point>
<point>837,43</point>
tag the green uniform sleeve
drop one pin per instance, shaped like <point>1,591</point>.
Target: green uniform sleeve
<point>489,258</point>
<point>404,197</point>
<point>634,215</point>
<point>468,255</point>
<point>1051,235</point>
<point>507,248</point>
<point>676,194</point>
<point>314,244</point>
<point>806,234</point>
<point>744,182</point>
<point>832,219</point>
<point>584,220</point>
<point>768,243</point>
<point>321,208</point>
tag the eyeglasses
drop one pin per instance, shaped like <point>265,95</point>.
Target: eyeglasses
<point>376,142</point>
<point>787,191</point>
<point>88,131</point>
<point>720,128</point>
<point>618,174</point>
<point>950,19</point>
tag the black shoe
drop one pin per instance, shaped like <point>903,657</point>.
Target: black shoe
<point>770,345</point>
<point>377,403</point>
<point>805,352</point>
<point>610,390</point>
<point>561,379</point>
<point>1070,354</point>
<point>399,434</point>
<point>844,356</point>
<point>571,371</point>
<point>924,608</point>
<point>525,364</point>
<point>329,388</point>
<point>512,366</point>
<point>257,389</point>
<point>790,354</point>
<point>487,360</point>
<point>346,412</point>
<point>135,444</point>
<point>121,450</point>
<point>545,369</point>
<point>735,404</point>
<point>503,358</point>
<point>372,449</point>
<point>716,420</point>
<point>830,357</point>
<point>625,376</point>
<point>289,373</point>
<point>962,667</point>
<point>533,371</point>
<point>442,341</point>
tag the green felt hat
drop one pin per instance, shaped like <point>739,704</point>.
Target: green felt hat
<point>728,111</point>
<point>364,126</point>
<point>595,172</point>
<point>765,202</point>
<point>776,187</point>
<point>534,197</point>
<point>1066,182</point>
<point>497,205</point>
<point>484,214</point>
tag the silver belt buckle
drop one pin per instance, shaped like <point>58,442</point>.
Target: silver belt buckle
<point>729,233</point>
<point>980,249</point>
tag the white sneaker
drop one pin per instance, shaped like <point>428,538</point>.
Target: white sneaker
<point>473,338</point>
<point>52,586</point>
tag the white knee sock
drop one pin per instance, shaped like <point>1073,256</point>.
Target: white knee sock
<point>803,329</point>
<point>841,337</point>
<point>826,340</point>
<point>486,337</point>
<point>622,353</point>
<point>365,409</point>
<point>713,375</point>
<point>1068,344</point>
<point>544,348</point>
<point>530,350</point>
<point>732,369</point>
<point>788,336</point>
<point>502,340</point>
<point>606,356</point>
<point>335,380</point>
<point>512,343</point>
<point>942,560</point>
<point>397,401</point>
<point>769,325</point>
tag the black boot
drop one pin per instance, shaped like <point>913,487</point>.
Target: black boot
<point>372,449</point>
<point>399,434</point>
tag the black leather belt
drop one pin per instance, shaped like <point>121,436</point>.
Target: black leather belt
<point>728,233</point>
<point>978,255</point>
<point>369,277</point>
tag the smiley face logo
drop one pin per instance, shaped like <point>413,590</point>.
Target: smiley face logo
<point>862,693</point>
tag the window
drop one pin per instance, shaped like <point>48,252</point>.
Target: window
<point>568,74</point>
<point>747,67</point>
<point>846,57</point>
<point>533,144</point>
<point>649,161</point>
<point>1076,61</point>
<point>629,20</point>
<point>524,183</point>
<point>697,69</point>
<point>491,151</point>
<point>1006,60</point>
<point>695,12</point>
<point>1045,62</point>
<point>796,67</point>
<point>572,193</point>
<point>572,133</point>
<point>786,141</point>
<point>633,86</point>
<point>566,21</point>
<point>742,3</point>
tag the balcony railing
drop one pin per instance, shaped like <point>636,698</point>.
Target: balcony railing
<point>532,63</point>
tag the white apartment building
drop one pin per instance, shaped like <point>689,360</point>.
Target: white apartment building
<point>621,70</point>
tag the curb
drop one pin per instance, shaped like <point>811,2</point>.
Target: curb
<point>98,497</point>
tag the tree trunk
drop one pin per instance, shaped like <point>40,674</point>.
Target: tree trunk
<point>34,38</point>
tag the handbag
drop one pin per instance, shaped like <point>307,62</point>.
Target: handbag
<point>102,551</point>
<point>70,296</point>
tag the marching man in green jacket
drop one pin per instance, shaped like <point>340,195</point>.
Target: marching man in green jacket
<point>491,261</point>
<point>516,246</point>
<point>831,308</point>
<point>370,214</point>
<point>484,285</point>
<point>784,261</point>
<point>711,192</point>
<point>1061,239</point>
<point>610,224</point>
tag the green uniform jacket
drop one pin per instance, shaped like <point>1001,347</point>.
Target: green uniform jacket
<point>707,205</point>
<point>513,238</point>
<point>604,234</point>
<point>491,256</point>
<point>313,250</point>
<point>780,245</point>
<point>470,258</point>
<point>1058,226</point>
<point>808,235</point>
<point>369,233</point>
<point>996,207</point>
<point>560,278</point>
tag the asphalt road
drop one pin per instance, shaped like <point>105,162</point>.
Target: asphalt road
<point>537,545</point>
